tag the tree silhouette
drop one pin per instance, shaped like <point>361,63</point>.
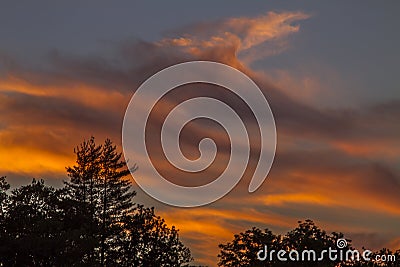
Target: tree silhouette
<point>243,250</point>
<point>4,200</point>
<point>91,221</point>
<point>307,236</point>
<point>32,229</point>
<point>99,186</point>
<point>149,242</point>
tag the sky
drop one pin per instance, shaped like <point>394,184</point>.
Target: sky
<point>329,71</point>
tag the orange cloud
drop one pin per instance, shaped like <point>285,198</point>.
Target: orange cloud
<point>272,26</point>
<point>242,34</point>
<point>75,90</point>
<point>32,162</point>
<point>382,149</point>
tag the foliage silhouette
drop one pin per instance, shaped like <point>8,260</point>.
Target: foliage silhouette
<point>243,249</point>
<point>91,221</point>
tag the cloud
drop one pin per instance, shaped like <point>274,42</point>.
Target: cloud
<point>241,34</point>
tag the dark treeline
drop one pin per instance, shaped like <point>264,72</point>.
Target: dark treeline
<point>91,221</point>
<point>243,249</point>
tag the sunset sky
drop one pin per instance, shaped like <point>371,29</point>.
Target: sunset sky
<point>330,71</point>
